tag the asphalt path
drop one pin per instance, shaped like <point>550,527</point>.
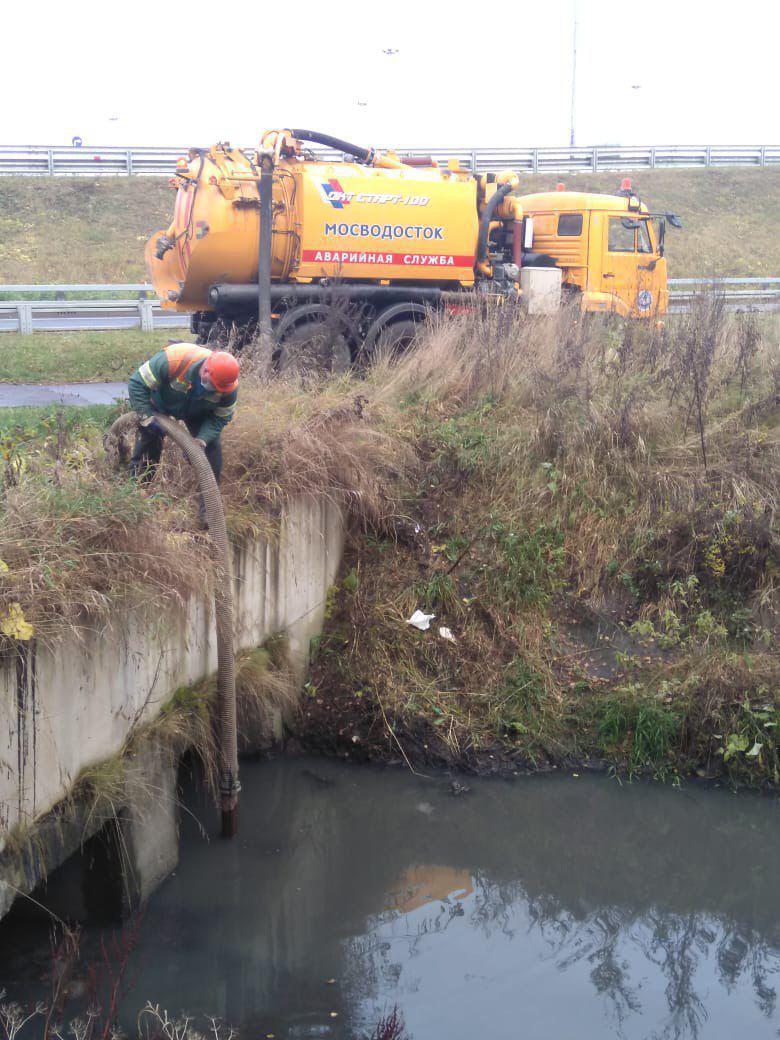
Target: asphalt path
<point>40,395</point>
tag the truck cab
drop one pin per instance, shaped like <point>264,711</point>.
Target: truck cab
<point>609,247</point>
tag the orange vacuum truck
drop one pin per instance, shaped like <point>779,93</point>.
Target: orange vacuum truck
<point>275,237</point>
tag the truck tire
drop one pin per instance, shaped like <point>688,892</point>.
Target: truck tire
<point>396,338</point>
<point>313,347</point>
<point>404,317</point>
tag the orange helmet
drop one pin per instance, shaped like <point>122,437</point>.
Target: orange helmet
<point>221,369</point>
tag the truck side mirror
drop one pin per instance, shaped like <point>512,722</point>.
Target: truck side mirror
<point>674,220</point>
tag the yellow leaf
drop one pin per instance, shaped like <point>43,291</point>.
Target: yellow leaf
<point>176,538</point>
<point>14,624</point>
<point>3,567</point>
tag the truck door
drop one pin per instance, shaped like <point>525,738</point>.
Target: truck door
<point>626,272</point>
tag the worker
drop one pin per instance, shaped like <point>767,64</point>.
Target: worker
<point>186,382</point>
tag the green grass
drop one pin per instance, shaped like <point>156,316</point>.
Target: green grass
<point>76,357</point>
<point>26,426</point>
<point>80,230</point>
<point>636,725</point>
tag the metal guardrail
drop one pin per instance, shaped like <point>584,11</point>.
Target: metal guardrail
<point>130,307</point>
<point>54,161</point>
<point>734,290</point>
<point>90,287</point>
<point>120,312</point>
<point>28,316</point>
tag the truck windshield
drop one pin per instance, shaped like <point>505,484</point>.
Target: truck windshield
<point>621,239</point>
<point>624,239</point>
<point>659,233</point>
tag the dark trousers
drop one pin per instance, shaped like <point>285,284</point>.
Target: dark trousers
<point>149,445</point>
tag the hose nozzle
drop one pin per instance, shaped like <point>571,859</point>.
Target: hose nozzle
<point>162,246</point>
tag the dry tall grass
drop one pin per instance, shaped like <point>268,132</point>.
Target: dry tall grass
<point>330,438</point>
<point>635,423</point>
<point>614,473</point>
<point>78,537</point>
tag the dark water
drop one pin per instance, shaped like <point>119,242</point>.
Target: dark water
<point>551,908</point>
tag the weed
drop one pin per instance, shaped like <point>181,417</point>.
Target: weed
<point>467,442</point>
<point>518,705</point>
<point>548,464</point>
<point>753,745</point>
<point>640,727</point>
<point>525,565</point>
<point>390,1027</point>
<point>698,337</point>
<point>437,594</point>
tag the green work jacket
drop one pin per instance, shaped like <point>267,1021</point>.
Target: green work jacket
<point>169,382</point>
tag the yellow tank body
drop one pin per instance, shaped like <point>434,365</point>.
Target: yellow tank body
<point>347,220</point>
<point>364,223</point>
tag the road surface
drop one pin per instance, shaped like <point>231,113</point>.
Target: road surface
<point>38,395</point>
<point>44,322</point>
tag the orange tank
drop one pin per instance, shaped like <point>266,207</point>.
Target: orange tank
<point>330,219</point>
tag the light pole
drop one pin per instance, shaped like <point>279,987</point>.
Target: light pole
<point>573,72</point>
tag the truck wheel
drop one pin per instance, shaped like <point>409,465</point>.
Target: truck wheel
<point>313,347</point>
<point>396,338</point>
<point>393,329</point>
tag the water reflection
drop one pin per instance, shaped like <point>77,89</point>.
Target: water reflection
<point>420,885</point>
<point>545,908</point>
<point>653,973</point>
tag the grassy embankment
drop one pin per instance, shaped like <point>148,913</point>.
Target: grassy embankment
<point>592,520</point>
<point>78,230</point>
<point>589,509</point>
<point>63,230</point>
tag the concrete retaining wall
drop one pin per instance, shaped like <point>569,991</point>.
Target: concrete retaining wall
<point>64,710</point>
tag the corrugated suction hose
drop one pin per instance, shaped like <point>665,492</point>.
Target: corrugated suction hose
<point>229,786</point>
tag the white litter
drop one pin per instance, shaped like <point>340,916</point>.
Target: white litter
<point>446,633</point>
<point>420,620</point>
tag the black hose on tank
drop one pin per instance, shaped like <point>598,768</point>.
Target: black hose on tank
<point>487,215</point>
<point>363,154</point>
<point>229,786</point>
<point>243,295</point>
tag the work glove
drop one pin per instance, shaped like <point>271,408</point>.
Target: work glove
<point>150,423</point>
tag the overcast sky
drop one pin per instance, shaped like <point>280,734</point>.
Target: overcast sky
<point>478,74</point>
